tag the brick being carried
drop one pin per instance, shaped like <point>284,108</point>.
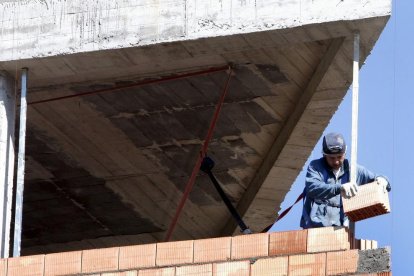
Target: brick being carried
<point>371,200</point>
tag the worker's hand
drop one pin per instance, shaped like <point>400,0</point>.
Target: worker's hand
<point>349,189</point>
<point>383,182</point>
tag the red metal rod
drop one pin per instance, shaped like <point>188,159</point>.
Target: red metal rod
<point>197,165</point>
<point>145,82</point>
<point>283,213</point>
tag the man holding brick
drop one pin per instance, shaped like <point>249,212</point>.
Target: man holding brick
<point>326,179</point>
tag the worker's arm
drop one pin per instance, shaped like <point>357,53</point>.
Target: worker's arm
<point>316,186</point>
<point>365,176</point>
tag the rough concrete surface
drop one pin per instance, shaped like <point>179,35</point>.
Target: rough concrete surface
<point>55,27</point>
<point>375,260</point>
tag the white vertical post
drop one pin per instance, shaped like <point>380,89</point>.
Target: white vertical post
<point>7,122</point>
<point>20,167</point>
<point>355,92</point>
<point>354,130</point>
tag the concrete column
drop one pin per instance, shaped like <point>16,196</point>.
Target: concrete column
<point>7,124</point>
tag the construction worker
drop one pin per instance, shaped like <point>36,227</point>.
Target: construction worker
<point>326,179</point>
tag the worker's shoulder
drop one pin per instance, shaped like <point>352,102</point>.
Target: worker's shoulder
<point>318,163</point>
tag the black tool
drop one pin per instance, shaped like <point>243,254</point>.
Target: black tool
<point>206,166</point>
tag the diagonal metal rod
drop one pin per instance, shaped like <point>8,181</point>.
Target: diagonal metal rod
<point>202,153</point>
<point>141,83</point>
<point>206,167</point>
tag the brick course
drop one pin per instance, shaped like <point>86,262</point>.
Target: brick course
<point>63,263</point>
<point>96,260</point>
<point>270,267</point>
<point>289,242</point>
<point>248,246</point>
<point>137,256</point>
<point>210,250</point>
<point>320,251</point>
<point>170,253</point>
<point>328,239</point>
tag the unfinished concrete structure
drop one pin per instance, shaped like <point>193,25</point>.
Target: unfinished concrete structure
<point>108,169</point>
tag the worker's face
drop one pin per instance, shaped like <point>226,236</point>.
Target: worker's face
<point>335,161</point>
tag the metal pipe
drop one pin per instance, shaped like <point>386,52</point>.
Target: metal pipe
<point>355,92</point>
<point>206,166</point>
<point>230,207</point>
<point>354,130</point>
<point>20,167</point>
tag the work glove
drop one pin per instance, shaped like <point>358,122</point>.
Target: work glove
<point>383,182</point>
<point>349,189</point>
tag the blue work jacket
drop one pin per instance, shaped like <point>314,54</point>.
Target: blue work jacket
<point>322,203</point>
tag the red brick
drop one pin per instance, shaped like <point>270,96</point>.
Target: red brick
<point>3,267</point>
<point>96,260</point>
<point>210,250</point>
<point>371,200</point>
<point>241,268</point>
<point>342,262</point>
<point>270,267</point>
<point>328,239</point>
<point>199,270</point>
<point>63,263</point>
<point>166,271</point>
<point>249,246</point>
<point>27,265</point>
<point>289,242</point>
<point>307,265</point>
<point>172,253</point>
<point>137,256</point>
<point>123,273</point>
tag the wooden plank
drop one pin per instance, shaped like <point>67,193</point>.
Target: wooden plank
<point>286,132</point>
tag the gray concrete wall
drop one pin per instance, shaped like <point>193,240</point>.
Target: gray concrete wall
<point>31,29</point>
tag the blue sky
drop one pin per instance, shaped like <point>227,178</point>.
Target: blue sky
<point>385,143</point>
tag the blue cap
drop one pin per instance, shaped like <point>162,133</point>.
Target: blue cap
<point>333,143</point>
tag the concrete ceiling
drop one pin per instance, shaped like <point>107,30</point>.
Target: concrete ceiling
<point>109,167</point>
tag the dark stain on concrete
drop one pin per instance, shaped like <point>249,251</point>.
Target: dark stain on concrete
<point>240,118</point>
<point>149,129</point>
<point>210,91</point>
<point>258,113</point>
<point>183,157</point>
<point>226,156</point>
<point>187,94</point>
<point>194,121</point>
<point>272,73</point>
<point>159,97</point>
<point>252,81</point>
<point>224,126</point>
<point>71,205</point>
<point>167,165</point>
<point>175,129</point>
<point>129,127</point>
<point>236,90</point>
<point>126,100</point>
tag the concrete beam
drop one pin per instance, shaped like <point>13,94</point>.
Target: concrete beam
<point>7,122</point>
<point>32,29</point>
